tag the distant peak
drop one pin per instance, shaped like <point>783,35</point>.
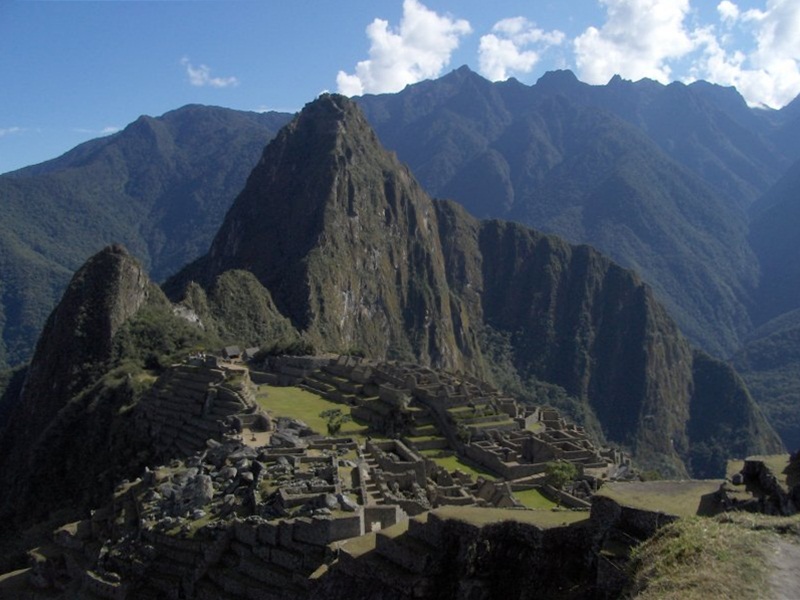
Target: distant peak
<point>331,108</point>
<point>463,73</point>
<point>331,101</point>
<point>559,75</point>
<point>563,78</point>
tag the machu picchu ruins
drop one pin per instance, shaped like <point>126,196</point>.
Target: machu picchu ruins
<point>250,503</point>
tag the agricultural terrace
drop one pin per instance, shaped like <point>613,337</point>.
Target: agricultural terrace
<point>305,406</point>
<point>679,498</point>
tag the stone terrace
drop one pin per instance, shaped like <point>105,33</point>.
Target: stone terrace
<point>191,403</point>
<point>436,410</point>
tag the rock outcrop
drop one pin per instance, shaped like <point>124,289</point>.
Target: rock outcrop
<point>57,430</point>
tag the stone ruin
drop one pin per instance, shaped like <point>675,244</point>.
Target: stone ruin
<point>191,403</point>
<point>436,410</point>
<point>234,520</point>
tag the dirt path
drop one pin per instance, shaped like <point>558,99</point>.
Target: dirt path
<point>785,576</point>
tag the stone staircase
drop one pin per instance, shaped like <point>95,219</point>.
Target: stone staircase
<point>400,557</point>
<point>190,404</point>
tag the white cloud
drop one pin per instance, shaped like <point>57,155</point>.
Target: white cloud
<point>504,50</point>
<point>108,130</point>
<point>10,130</point>
<point>637,40</point>
<point>728,11</point>
<point>200,76</point>
<point>419,49</point>
<point>770,74</point>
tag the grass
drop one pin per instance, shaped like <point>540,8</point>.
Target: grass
<point>700,558</point>
<point>536,427</point>
<point>680,498</point>
<point>305,406</point>
<point>453,462</point>
<point>533,498</point>
<point>777,463</point>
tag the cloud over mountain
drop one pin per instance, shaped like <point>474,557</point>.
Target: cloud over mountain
<point>637,40</point>
<point>200,76</point>
<point>650,38</point>
<point>508,48</point>
<point>770,73</point>
<point>418,49</point>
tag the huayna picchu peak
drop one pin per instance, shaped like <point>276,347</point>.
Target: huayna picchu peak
<point>344,239</point>
<point>362,392</point>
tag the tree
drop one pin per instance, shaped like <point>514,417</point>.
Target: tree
<point>334,418</point>
<point>559,473</point>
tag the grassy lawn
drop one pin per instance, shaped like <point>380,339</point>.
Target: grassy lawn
<point>533,498</point>
<point>536,427</point>
<point>301,404</point>
<point>777,463</point>
<point>451,463</point>
<point>680,498</point>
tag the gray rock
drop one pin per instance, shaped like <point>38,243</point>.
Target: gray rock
<point>347,503</point>
<point>227,473</point>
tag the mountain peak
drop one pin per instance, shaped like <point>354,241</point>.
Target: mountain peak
<point>338,231</point>
<point>562,79</point>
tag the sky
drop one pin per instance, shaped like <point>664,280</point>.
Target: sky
<point>73,70</point>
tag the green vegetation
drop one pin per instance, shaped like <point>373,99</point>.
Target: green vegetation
<point>334,419</point>
<point>307,407</point>
<point>560,473</point>
<point>533,498</point>
<point>770,364</point>
<point>288,347</point>
<point>160,187</point>
<point>155,338</point>
<point>699,558</point>
<point>724,420</point>
<point>453,462</point>
<point>680,498</point>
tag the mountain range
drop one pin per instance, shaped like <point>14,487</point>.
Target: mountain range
<point>332,242</point>
<point>684,184</point>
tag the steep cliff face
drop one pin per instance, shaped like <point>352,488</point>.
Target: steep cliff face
<point>78,336</point>
<point>343,238</point>
<point>577,320</point>
<point>53,414</point>
<point>724,421</point>
<point>601,165</point>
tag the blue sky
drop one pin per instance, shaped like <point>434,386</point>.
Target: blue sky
<point>75,70</point>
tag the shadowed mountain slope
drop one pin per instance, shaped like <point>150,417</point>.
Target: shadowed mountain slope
<point>161,187</point>
<point>46,446</point>
<point>774,235</point>
<point>657,177</point>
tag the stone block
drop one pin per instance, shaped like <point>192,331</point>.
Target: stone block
<point>268,533</point>
<point>245,533</point>
<point>286,559</point>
